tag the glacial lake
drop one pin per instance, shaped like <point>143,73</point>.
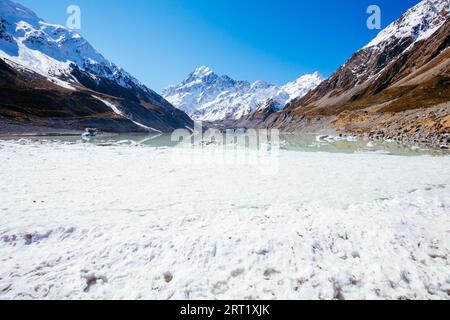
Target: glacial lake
<point>286,142</point>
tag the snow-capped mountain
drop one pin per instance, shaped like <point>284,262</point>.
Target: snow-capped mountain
<point>368,64</point>
<point>66,59</point>
<point>405,68</point>
<point>207,96</point>
<point>418,23</point>
<point>53,50</point>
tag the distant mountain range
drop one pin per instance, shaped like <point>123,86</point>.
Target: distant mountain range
<point>207,96</point>
<point>51,76</point>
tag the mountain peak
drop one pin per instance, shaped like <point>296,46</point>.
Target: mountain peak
<point>16,12</point>
<point>419,22</point>
<point>310,76</point>
<point>202,71</point>
<point>317,74</point>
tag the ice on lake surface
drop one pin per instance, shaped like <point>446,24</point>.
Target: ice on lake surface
<point>115,216</point>
<point>287,142</point>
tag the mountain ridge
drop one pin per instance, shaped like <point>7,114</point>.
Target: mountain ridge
<point>53,53</point>
<point>396,87</point>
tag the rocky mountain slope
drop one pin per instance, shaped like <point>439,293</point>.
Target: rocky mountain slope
<point>50,75</point>
<point>405,69</point>
<point>207,96</point>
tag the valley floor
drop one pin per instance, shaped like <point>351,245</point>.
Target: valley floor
<point>86,222</point>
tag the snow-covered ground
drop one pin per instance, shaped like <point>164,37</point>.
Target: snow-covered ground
<point>82,221</point>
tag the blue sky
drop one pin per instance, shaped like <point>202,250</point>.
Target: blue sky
<point>161,41</point>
